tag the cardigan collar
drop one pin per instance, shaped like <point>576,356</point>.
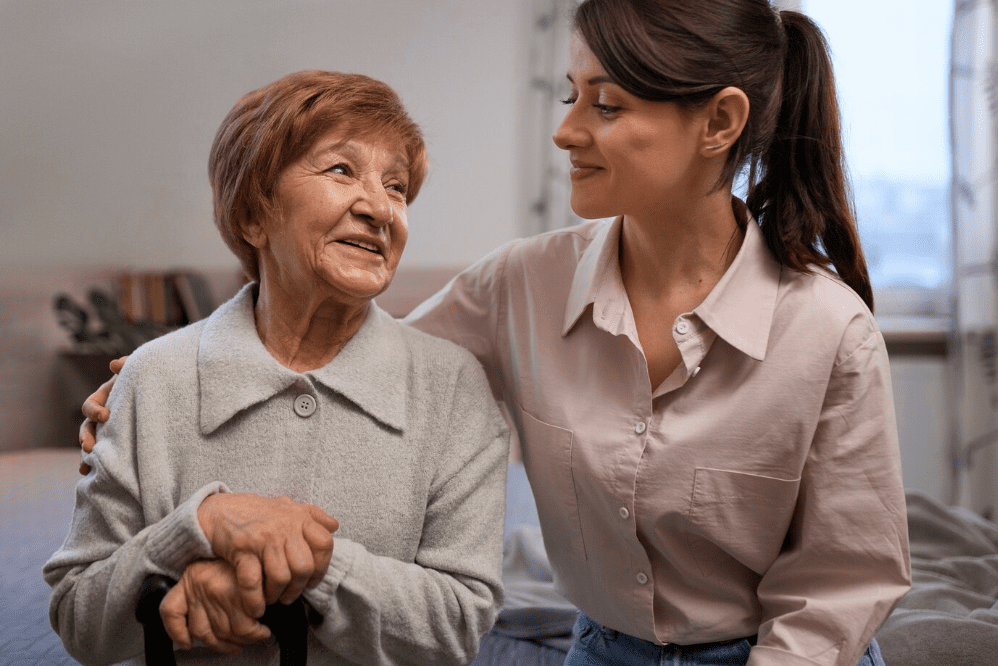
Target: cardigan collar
<point>235,370</point>
<point>739,309</point>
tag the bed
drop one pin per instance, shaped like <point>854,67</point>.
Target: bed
<point>950,615</point>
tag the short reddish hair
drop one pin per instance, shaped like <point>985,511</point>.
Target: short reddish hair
<point>270,128</point>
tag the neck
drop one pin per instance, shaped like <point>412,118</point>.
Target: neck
<point>680,249</point>
<point>302,331</point>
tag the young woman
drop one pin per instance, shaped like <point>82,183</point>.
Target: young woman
<point>703,404</point>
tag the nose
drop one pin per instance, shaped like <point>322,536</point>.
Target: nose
<point>373,204</point>
<point>571,132</point>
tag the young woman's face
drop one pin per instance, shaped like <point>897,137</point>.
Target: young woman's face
<point>629,156</point>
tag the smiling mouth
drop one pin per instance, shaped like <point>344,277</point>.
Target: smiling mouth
<point>363,246</point>
<point>581,171</point>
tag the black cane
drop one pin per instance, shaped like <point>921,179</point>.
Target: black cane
<point>288,624</point>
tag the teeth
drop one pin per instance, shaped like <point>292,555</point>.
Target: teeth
<point>366,246</point>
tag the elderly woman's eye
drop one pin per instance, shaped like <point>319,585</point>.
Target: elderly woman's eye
<point>401,188</point>
<point>339,168</point>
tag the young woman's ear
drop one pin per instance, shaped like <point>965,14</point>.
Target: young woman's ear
<point>727,113</point>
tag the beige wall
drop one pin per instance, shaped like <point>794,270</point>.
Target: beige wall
<point>108,109</point>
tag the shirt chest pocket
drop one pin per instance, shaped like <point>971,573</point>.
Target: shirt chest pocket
<point>547,456</point>
<point>734,515</point>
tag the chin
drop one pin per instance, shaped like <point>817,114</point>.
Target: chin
<point>360,287</point>
<point>589,210</point>
<point>368,291</point>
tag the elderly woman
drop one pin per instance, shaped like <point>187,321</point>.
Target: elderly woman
<point>237,445</point>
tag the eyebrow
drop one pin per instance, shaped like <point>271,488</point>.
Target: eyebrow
<point>345,146</point>
<point>348,148</point>
<point>601,78</point>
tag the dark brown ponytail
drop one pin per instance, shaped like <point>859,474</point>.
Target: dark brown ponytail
<point>685,51</point>
<point>802,200</point>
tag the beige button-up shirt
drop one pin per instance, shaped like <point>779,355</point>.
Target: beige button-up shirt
<point>757,490</point>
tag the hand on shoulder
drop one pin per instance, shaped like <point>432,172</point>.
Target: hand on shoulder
<point>95,411</point>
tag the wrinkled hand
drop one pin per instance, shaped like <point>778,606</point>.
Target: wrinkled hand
<point>95,412</point>
<point>206,604</point>
<point>278,547</point>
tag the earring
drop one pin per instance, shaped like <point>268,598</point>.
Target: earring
<point>720,145</point>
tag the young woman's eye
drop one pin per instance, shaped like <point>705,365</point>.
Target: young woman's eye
<point>606,110</point>
<point>568,100</point>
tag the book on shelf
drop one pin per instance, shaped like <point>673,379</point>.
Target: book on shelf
<point>132,297</point>
<point>194,294</point>
<point>164,298</point>
<point>155,288</point>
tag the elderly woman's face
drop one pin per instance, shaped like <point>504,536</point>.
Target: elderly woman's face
<point>343,219</point>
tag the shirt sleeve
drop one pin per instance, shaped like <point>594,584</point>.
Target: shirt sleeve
<point>846,561</point>
<point>467,311</point>
<point>110,550</point>
<point>378,610</point>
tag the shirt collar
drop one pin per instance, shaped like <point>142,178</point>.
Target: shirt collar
<point>591,272</point>
<point>235,370</point>
<point>739,309</point>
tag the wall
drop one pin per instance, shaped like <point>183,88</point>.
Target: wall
<point>922,404</point>
<point>108,109</point>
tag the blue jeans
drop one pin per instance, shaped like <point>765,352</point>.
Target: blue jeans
<point>595,646</point>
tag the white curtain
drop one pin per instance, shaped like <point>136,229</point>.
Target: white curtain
<point>974,127</point>
<point>545,180</point>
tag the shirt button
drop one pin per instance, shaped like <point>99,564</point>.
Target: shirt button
<point>642,579</point>
<point>640,427</point>
<point>682,328</point>
<point>304,405</point>
<point>624,513</point>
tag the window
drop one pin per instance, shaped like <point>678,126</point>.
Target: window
<point>891,60</point>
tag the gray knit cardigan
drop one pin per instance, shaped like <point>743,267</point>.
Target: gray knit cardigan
<point>406,448</point>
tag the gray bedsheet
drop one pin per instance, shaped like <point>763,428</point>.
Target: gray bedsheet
<point>497,650</point>
<point>534,609</point>
<point>36,503</point>
<point>950,616</point>
<point>535,625</point>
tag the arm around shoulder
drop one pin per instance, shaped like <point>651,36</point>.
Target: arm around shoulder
<point>466,310</point>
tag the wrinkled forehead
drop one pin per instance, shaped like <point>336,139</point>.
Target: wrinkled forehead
<point>362,143</point>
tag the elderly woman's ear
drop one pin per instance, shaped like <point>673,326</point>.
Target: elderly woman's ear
<point>254,233</point>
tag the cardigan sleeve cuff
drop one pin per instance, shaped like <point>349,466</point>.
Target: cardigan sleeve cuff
<point>345,554</point>
<point>178,539</point>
